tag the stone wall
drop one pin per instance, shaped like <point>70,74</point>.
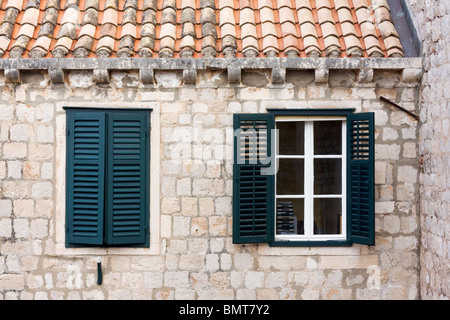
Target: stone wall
<point>191,254</point>
<point>433,20</point>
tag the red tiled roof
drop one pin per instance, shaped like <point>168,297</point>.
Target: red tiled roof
<point>197,28</point>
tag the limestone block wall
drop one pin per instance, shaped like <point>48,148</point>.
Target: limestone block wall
<point>433,20</point>
<point>191,255</point>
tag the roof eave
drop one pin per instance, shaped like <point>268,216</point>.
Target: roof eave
<point>411,68</point>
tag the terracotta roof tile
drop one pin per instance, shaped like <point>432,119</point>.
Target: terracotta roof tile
<point>266,15</point>
<point>110,16</point>
<point>63,43</point>
<point>227,23</point>
<point>128,29</point>
<point>344,14</point>
<point>108,30</point>
<point>4,43</point>
<point>270,43</point>
<point>387,29</point>
<point>328,29</point>
<point>288,28</point>
<point>348,29</point>
<point>197,28</point>
<point>227,16</point>
<point>168,30</point>
<point>228,30</point>
<point>113,4</point>
<point>290,44</point>
<point>309,29</point>
<point>303,4</point>
<point>30,16</point>
<point>148,29</point>
<point>382,14</point>
<point>87,30</point>
<point>324,14</point>
<point>17,4</point>
<point>373,46</point>
<point>311,46</point>
<point>380,3</point>
<point>70,15</point>
<point>91,4</point>
<point>7,23</point>
<point>43,43</point>
<point>358,4</point>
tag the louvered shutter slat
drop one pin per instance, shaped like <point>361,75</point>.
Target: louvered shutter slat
<point>253,193</point>
<point>85,179</point>
<point>361,188</point>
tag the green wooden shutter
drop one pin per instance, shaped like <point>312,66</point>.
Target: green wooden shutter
<point>253,190</point>
<point>85,178</point>
<point>128,182</point>
<point>360,178</point>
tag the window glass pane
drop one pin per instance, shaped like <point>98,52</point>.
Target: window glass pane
<point>290,216</point>
<point>327,216</point>
<point>327,176</point>
<point>291,138</point>
<point>290,177</point>
<point>327,137</point>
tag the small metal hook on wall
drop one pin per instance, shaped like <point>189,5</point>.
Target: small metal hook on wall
<point>99,272</point>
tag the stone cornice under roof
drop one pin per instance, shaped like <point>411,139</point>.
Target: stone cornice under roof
<point>410,68</point>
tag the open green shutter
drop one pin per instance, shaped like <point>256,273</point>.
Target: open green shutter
<point>128,178</point>
<point>85,178</point>
<point>253,190</point>
<point>360,178</point>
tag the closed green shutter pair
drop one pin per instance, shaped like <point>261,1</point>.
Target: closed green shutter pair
<point>107,177</point>
<point>253,189</point>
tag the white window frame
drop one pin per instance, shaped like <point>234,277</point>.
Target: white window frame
<point>309,179</point>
